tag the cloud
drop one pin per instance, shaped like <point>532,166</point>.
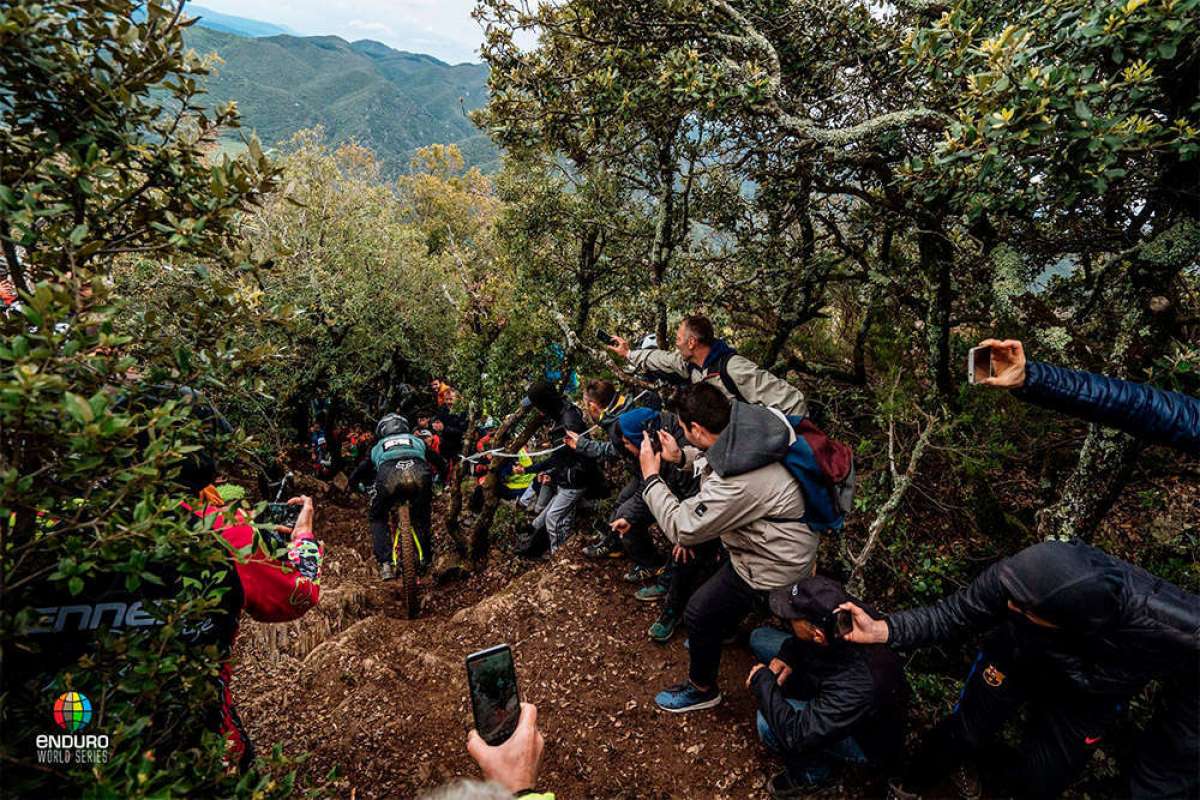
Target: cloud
<point>371,27</point>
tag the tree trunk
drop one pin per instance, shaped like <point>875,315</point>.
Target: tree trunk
<point>454,512</point>
<point>936,262</point>
<point>664,237</point>
<point>480,540</point>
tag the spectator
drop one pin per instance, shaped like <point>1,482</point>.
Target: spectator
<point>604,404</point>
<point>276,580</point>
<point>747,498</point>
<point>510,768</point>
<point>570,474</point>
<point>1149,413</point>
<point>450,426</point>
<point>703,358</point>
<point>822,701</point>
<point>630,519</point>
<point>1075,634</point>
<point>399,465</point>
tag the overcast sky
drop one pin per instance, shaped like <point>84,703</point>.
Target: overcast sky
<point>442,28</point>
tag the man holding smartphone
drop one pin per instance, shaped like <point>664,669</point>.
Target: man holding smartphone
<point>1146,412</point>
<point>823,701</point>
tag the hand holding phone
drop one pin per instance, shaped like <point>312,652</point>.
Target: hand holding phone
<point>283,514</point>
<point>516,763</point>
<point>495,701</point>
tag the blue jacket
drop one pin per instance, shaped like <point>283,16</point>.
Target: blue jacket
<point>1139,409</point>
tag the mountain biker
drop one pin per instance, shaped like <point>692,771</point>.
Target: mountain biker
<point>400,462</point>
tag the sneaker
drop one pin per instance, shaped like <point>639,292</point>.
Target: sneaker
<point>603,547</point>
<point>652,593</point>
<point>664,627</point>
<point>386,571</point>
<point>684,697</point>
<point>640,574</point>
<point>784,786</point>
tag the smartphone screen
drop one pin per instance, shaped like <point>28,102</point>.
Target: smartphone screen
<point>844,622</point>
<point>492,679</point>
<point>979,364</point>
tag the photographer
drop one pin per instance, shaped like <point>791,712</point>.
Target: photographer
<point>1075,635</point>
<point>822,701</point>
<point>702,358</point>
<point>1144,411</point>
<point>750,501</point>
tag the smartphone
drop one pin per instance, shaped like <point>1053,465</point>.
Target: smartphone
<point>604,337</point>
<point>492,680</point>
<point>283,514</point>
<point>653,426</point>
<point>843,623</point>
<point>979,364</point>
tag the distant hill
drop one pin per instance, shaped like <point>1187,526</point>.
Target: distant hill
<point>228,23</point>
<point>389,100</point>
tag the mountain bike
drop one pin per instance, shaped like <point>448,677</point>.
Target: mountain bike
<point>405,556</point>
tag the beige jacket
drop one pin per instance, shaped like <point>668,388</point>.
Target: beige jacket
<point>756,514</point>
<point>756,384</point>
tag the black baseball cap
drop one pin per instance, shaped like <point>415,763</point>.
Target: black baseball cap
<point>812,599</point>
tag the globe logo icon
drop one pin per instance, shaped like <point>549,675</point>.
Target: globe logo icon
<point>72,711</point>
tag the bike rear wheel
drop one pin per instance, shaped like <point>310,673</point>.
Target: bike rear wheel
<point>407,558</point>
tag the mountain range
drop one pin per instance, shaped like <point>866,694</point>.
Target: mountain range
<point>389,100</point>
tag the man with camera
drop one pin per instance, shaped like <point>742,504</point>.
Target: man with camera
<point>748,500</point>
<point>1074,635</point>
<point>821,700</point>
<point>702,358</point>
<point>1146,412</point>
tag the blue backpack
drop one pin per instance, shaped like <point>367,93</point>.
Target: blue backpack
<point>824,468</point>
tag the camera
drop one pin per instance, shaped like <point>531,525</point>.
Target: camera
<point>283,514</point>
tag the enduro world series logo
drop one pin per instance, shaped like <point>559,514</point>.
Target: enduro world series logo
<point>72,713</point>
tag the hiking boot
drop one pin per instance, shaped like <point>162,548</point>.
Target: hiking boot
<point>640,574</point>
<point>966,781</point>
<point>684,697</point>
<point>664,627</point>
<point>652,593</point>
<point>603,547</point>
<point>784,786</point>
<point>386,571</point>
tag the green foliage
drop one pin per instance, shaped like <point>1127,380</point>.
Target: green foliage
<point>105,160</point>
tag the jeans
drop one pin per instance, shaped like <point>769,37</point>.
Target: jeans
<point>803,767</point>
<point>712,614</point>
<point>558,517</point>
<point>396,482</point>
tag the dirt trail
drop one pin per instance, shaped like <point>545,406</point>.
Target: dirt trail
<point>384,698</point>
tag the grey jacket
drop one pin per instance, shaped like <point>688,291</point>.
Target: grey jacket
<point>747,498</point>
<point>755,383</point>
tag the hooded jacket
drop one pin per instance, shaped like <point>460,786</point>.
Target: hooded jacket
<point>754,383</point>
<point>747,498</point>
<point>1140,410</point>
<point>1120,625</point>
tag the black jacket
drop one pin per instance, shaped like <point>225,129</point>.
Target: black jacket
<point>851,691</point>
<point>568,469</point>
<point>454,428</point>
<point>1140,410</point>
<point>1120,625</point>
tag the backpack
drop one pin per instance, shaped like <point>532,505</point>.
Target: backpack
<point>824,468</point>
